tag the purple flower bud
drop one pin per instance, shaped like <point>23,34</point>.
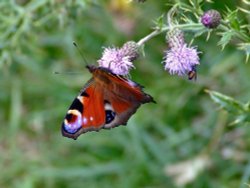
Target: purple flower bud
<point>131,49</point>
<point>175,38</point>
<point>119,60</point>
<point>211,19</point>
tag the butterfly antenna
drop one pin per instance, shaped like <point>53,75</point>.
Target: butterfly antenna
<point>66,73</point>
<point>80,52</point>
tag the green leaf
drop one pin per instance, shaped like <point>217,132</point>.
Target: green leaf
<point>226,102</point>
<point>246,48</point>
<point>239,110</point>
<point>226,38</point>
<point>233,20</point>
<point>159,22</point>
<point>240,119</point>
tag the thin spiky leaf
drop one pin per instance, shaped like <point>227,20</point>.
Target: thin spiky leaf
<point>159,22</point>
<point>226,102</point>
<point>240,111</point>
<point>226,38</point>
<point>245,47</point>
<point>232,18</point>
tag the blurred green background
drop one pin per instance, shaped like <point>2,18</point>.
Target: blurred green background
<point>185,130</point>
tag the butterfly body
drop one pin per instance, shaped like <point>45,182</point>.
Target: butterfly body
<point>106,101</point>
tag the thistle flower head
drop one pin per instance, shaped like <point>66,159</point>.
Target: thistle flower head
<point>179,59</point>
<point>119,60</point>
<point>211,19</point>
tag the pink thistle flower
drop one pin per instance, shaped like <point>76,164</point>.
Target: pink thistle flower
<point>180,59</point>
<point>119,60</point>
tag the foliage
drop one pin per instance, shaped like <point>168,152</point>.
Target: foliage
<point>241,111</point>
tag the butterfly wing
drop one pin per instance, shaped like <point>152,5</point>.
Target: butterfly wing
<point>124,98</point>
<point>106,101</point>
<point>86,113</point>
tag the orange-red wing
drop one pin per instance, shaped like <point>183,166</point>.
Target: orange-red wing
<point>129,90</point>
<point>93,114</point>
<point>119,104</point>
<point>86,113</point>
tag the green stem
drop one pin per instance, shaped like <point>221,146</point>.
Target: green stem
<point>148,37</point>
<point>166,28</point>
<point>217,133</point>
<point>192,27</point>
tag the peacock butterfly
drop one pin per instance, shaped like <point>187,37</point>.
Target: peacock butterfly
<point>106,101</point>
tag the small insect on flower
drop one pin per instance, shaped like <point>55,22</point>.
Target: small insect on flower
<point>192,74</point>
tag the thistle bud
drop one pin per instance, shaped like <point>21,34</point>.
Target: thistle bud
<point>211,19</point>
<point>131,49</point>
<point>175,38</point>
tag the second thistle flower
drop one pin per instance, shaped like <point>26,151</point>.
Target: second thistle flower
<point>179,59</point>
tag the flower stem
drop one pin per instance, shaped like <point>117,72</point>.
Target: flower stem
<point>164,29</point>
<point>148,37</point>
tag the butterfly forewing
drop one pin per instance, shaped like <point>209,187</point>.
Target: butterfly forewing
<point>90,118</point>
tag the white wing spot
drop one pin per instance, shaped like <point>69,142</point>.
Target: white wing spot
<point>108,107</point>
<point>85,120</point>
<point>91,118</point>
